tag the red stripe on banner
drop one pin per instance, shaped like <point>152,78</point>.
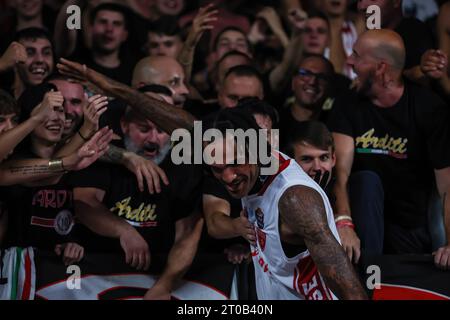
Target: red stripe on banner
<point>42,222</point>
<point>284,163</point>
<point>27,284</point>
<point>398,292</point>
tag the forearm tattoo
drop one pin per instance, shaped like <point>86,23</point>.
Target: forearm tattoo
<point>113,155</point>
<point>303,209</point>
<point>28,170</point>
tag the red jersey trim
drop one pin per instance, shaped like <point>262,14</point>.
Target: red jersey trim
<point>284,163</point>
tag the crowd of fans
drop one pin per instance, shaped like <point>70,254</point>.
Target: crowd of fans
<point>365,113</point>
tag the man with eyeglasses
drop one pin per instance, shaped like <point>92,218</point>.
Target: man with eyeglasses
<point>310,85</point>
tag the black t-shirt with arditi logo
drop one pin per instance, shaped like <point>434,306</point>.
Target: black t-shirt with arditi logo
<point>153,215</point>
<point>402,144</point>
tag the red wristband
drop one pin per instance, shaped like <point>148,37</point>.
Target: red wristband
<point>341,224</point>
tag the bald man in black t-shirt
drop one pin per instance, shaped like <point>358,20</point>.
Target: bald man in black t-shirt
<point>395,134</point>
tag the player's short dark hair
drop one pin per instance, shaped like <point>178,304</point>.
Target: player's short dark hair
<point>234,119</point>
<point>124,11</point>
<point>8,104</point>
<point>314,133</point>
<point>245,71</point>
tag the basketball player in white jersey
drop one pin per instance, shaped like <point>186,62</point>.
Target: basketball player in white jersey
<point>297,253</point>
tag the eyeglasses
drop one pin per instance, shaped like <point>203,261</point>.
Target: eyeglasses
<point>307,74</point>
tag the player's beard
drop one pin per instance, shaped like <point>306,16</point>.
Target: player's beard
<point>158,158</point>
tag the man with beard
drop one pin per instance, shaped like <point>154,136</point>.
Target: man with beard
<point>392,140</point>
<point>311,89</point>
<point>74,101</point>
<point>121,218</point>
<point>416,35</point>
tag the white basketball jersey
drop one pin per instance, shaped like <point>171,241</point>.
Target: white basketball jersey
<point>277,276</point>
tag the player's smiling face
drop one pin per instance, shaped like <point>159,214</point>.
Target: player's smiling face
<point>237,178</point>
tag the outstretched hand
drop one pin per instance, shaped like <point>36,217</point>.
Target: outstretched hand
<point>146,171</point>
<point>73,70</point>
<point>93,149</point>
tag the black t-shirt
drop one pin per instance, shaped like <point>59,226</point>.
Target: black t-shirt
<point>402,144</point>
<point>123,73</point>
<point>153,216</point>
<point>41,216</point>
<point>289,125</point>
<point>417,38</point>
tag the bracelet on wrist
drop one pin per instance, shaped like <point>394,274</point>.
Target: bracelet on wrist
<point>342,224</point>
<point>82,137</point>
<point>56,165</point>
<point>343,217</point>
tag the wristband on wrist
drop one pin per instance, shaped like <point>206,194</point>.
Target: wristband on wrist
<point>343,217</point>
<point>342,224</point>
<point>79,133</point>
<point>55,165</point>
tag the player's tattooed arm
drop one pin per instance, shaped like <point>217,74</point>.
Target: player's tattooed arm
<point>302,208</point>
<point>166,116</point>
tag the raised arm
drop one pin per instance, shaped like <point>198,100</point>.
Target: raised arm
<point>11,138</point>
<point>166,116</point>
<point>280,76</point>
<point>201,23</point>
<point>303,210</point>
<point>31,170</point>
